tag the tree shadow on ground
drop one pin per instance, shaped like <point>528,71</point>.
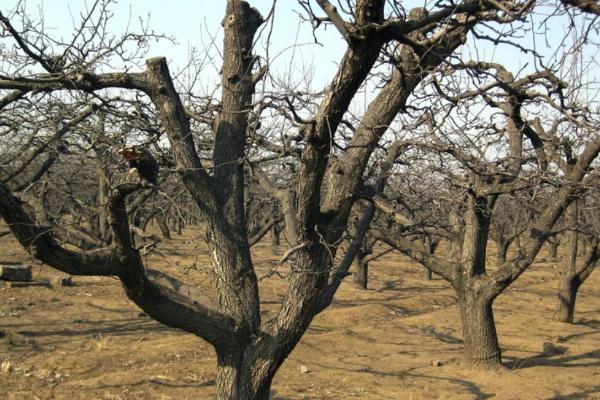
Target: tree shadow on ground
<point>445,337</point>
<point>557,359</point>
<point>410,373</point>
<point>160,381</point>
<point>590,323</point>
<point>111,326</point>
<point>65,331</point>
<point>584,393</point>
<point>544,359</point>
<point>390,302</point>
<point>68,333</point>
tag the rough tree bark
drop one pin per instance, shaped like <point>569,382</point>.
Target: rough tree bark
<point>479,330</point>
<point>248,352</point>
<point>472,291</point>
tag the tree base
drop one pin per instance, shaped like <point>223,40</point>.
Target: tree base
<point>494,364</point>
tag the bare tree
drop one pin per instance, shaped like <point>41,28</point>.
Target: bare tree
<point>486,159</point>
<point>571,272</point>
<point>317,206</point>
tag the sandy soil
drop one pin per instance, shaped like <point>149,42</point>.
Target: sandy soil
<point>89,342</point>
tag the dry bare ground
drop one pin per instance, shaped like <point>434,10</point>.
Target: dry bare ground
<point>89,342</point>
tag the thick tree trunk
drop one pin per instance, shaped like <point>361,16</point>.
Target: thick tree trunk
<point>230,377</point>
<point>479,330</point>
<point>474,290</point>
<point>245,374</point>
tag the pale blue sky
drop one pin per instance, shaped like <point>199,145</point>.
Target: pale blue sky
<point>193,22</point>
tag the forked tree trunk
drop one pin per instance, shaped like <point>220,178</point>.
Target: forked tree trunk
<point>571,275</point>
<point>474,291</point>
<point>245,373</point>
<point>570,278</point>
<point>479,330</point>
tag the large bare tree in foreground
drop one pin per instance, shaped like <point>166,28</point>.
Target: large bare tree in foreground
<point>316,205</point>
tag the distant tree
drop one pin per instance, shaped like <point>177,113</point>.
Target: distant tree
<point>511,218</point>
<point>511,153</point>
<point>572,272</point>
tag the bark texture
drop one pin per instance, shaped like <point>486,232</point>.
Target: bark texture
<point>479,330</point>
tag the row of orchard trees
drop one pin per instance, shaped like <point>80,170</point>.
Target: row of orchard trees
<point>493,174</point>
<point>446,149</point>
